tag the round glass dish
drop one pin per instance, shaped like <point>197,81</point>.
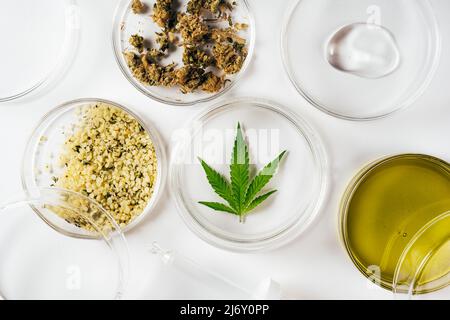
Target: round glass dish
<point>126,23</point>
<point>425,256</point>
<point>36,52</point>
<point>41,161</point>
<point>382,75</point>
<point>392,225</point>
<point>301,179</point>
<point>50,258</point>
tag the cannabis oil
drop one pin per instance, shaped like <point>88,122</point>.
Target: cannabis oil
<point>386,205</point>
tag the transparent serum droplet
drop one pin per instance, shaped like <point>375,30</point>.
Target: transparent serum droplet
<point>365,50</point>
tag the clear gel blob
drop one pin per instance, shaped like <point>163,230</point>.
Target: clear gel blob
<point>365,50</point>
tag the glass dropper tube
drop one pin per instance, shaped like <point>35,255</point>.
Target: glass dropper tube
<point>226,288</point>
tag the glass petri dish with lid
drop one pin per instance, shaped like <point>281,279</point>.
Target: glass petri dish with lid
<point>361,59</point>
<point>423,270</point>
<point>36,52</point>
<point>42,166</point>
<point>394,224</point>
<point>127,23</point>
<point>301,179</point>
<point>71,249</point>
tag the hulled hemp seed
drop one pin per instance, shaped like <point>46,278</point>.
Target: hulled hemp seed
<point>110,158</point>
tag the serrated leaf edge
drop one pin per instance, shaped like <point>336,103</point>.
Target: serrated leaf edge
<point>253,191</point>
<point>228,195</point>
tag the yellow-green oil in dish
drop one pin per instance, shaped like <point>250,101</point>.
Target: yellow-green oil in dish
<point>385,207</point>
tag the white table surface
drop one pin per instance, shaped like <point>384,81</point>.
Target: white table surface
<point>314,266</point>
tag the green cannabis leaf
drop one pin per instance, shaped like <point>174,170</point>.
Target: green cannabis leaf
<point>241,194</point>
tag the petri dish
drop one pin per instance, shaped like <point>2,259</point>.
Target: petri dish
<point>126,23</point>
<point>423,270</point>
<point>361,59</point>
<point>301,179</point>
<point>41,161</point>
<point>72,249</point>
<point>394,224</point>
<point>36,52</point>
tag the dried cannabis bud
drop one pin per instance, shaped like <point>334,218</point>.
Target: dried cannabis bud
<point>138,7</point>
<point>229,50</point>
<point>163,13</point>
<point>157,74</point>
<point>162,39</point>
<point>137,41</point>
<point>209,52</point>
<point>196,57</point>
<point>195,6</point>
<point>228,34</point>
<point>212,83</point>
<point>190,78</point>
<point>229,56</point>
<point>193,30</point>
<point>136,67</point>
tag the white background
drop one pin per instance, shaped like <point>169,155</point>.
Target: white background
<point>314,266</point>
